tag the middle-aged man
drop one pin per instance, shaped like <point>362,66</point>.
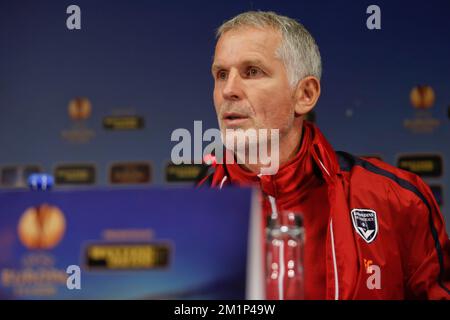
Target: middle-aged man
<point>362,217</point>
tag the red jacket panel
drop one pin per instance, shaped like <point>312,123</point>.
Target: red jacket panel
<point>385,236</point>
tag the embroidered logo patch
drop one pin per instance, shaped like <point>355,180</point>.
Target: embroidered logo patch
<point>365,223</point>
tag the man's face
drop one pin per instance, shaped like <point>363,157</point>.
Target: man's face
<point>251,84</point>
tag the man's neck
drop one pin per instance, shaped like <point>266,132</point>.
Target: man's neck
<point>289,146</point>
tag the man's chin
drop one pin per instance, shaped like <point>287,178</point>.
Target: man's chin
<point>237,128</point>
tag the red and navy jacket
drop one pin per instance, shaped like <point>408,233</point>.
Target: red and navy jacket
<point>340,194</point>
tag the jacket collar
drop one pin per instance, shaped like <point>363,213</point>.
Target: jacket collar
<point>315,159</point>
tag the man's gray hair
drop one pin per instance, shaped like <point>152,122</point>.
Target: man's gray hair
<point>298,50</point>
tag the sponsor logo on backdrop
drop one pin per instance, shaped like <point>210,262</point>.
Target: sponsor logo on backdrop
<point>130,173</point>
<point>182,172</point>
<point>36,275</point>
<point>424,165</point>
<point>126,256</point>
<point>79,110</point>
<point>40,229</point>
<point>123,120</point>
<point>75,174</point>
<point>123,123</point>
<point>17,176</point>
<point>422,98</point>
<point>126,249</point>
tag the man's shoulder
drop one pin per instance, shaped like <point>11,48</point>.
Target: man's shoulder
<point>366,175</point>
<point>373,166</point>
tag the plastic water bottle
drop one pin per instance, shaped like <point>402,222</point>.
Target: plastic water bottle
<point>284,256</point>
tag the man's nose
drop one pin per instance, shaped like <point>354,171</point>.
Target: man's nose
<point>233,87</point>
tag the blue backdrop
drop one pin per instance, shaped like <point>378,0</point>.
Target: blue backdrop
<point>152,58</point>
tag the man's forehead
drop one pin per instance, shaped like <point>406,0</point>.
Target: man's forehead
<point>252,43</point>
<point>258,38</point>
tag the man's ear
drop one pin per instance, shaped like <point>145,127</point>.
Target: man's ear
<point>306,95</point>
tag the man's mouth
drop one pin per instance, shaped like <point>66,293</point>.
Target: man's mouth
<point>233,118</point>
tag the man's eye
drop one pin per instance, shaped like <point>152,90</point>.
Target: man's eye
<point>221,75</point>
<point>253,72</point>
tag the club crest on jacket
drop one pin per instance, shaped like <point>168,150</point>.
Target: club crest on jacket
<point>365,223</point>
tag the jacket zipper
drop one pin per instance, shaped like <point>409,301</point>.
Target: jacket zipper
<point>336,279</point>
<point>333,250</point>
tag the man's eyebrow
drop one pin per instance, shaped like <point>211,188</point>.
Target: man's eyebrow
<point>247,62</point>
<point>216,67</point>
<point>252,62</point>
